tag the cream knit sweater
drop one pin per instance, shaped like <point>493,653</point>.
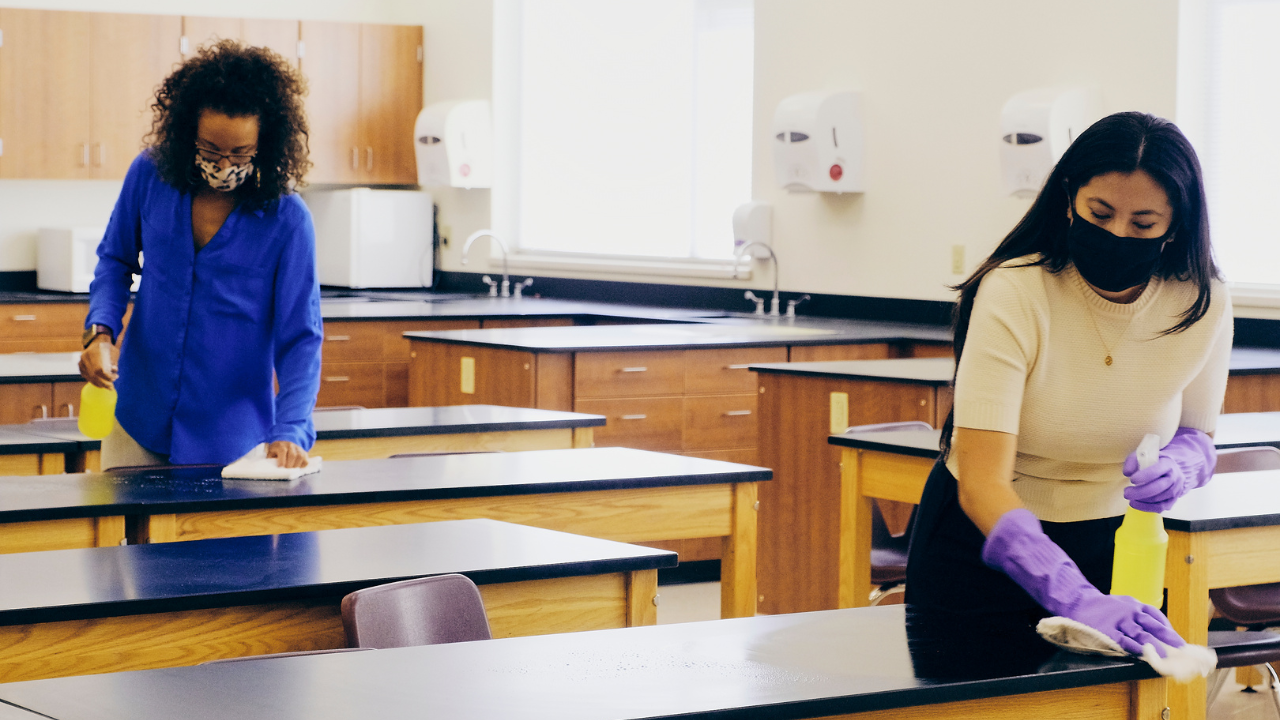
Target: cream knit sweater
<point>1034,366</point>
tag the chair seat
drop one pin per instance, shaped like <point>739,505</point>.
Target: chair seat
<point>1250,604</point>
<point>1240,649</point>
<point>888,565</point>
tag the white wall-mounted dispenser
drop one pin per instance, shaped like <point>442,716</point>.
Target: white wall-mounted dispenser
<point>1036,127</point>
<point>753,223</point>
<point>453,144</point>
<point>66,257</point>
<point>818,142</point>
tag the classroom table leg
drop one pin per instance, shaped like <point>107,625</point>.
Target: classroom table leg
<point>738,559</point>
<point>1149,699</point>
<point>146,529</point>
<point>584,437</point>
<point>642,594</point>
<point>53,464</point>
<point>109,531</point>
<point>1187,577</point>
<point>855,534</point>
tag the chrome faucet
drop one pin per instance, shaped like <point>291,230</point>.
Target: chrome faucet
<point>506,278</point>
<point>773,306</point>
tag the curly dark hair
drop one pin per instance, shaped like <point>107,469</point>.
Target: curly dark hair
<point>235,80</point>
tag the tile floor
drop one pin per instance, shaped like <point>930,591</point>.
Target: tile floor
<point>701,601</point>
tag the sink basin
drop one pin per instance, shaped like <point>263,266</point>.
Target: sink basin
<point>731,330</point>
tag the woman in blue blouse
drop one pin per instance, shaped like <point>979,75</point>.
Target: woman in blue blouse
<point>229,301</point>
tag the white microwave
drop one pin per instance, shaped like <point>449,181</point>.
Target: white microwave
<point>369,238</point>
<point>66,257</point>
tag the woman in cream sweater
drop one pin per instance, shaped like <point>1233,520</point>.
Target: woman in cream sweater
<point>1099,319</point>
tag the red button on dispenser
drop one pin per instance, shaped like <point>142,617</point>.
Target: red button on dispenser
<point>837,172</point>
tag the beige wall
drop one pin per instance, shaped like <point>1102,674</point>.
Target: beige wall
<point>934,74</point>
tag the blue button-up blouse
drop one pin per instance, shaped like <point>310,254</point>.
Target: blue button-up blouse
<point>210,328</point>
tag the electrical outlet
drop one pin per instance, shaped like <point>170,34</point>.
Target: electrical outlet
<point>957,259</point>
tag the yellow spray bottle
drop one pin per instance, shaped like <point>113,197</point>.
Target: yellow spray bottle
<point>97,405</point>
<point>1141,544</point>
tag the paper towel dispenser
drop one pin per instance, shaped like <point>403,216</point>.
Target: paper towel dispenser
<point>1036,127</point>
<point>453,144</point>
<point>818,143</point>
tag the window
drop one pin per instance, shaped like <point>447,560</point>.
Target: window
<point>1240,143</point>
<point>623,127</point>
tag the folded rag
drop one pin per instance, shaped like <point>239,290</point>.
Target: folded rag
<point>1183,664</point>
<point>255,465</point>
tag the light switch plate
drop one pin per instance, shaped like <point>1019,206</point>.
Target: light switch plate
<point>468,376</point>
<point>839,412</point>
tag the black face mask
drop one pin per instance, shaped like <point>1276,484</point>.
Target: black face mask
<point>1109,262</point>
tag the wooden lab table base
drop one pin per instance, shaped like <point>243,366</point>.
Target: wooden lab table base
<point>33,464</point>
<point>190,637</point>
<point>634,515</point>
<point>65,534</point>
<point>510,441</point>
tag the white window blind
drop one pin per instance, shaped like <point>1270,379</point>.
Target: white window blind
<point>623,126</point>
<point>1241,148</point>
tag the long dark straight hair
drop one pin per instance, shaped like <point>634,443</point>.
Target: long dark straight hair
<point>1124,143</point>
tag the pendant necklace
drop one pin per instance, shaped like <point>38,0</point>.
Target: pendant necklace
<point>1102,341</point>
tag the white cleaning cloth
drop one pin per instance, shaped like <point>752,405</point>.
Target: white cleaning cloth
<point>1182,664</point>
<point>255,465</point>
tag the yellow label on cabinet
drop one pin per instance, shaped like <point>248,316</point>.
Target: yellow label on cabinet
<point>468,376</point>
<point>839,412</point>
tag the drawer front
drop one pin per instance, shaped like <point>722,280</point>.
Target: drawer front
<point>20,402</point>
<point>720,422</point>
<point>642,423</point>
<point>346,342</point>
<point>42,345</point>
<point>628,374</point>
<point>526,322</point>
<point>817,353</point>
<point>351,384</point>
<point>725,371</point>
<point>43,320</point>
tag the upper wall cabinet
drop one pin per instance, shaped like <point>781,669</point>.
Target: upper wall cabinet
<point>76,90</point>
<point>365,86</point>
<point>278,35</point>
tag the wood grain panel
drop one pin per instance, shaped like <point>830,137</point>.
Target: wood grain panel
<point>132,55</point>
<point>815,353</point>
<point>1187,610</point>
<point>1242,556</point>
<point>928,350</point>
<point>12,465</point>
<point>396,347</point>
<point>745,456</point>
<point>351,384</point>
<point>488,323</point>
<point>557,605</point>
<point>643,423</point>
<point>890,476</point>
<point>724,371</point>
<point>395,383</point>
<point>642,598</point>
<point>352,342</point>
<point>280,36</point>
<point>68,534</point>
<point>502,377</point>
<point>383,447</point>
<point>628,374</point>
<point>1252,393</point>
<point>42,345</point>
<point>665,513</point>
<point>202,31</point>
<point>690,549</point>
<point>66,399</point>
<point>41,320</point>
<point>738,597</point>
<point>141,642</point>
<point>1096,702</point>
<point>331,66</point>
<point>718,422</point>
<point>554,377</point>
<point>390,99</point>
<point>20,402</point>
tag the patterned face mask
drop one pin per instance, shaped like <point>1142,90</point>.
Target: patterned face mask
<point>223,179</point>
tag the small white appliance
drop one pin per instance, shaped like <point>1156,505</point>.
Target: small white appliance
<point>453,143</point>
<point>818,143</point>
<point>66,257</point>
<point>1036,127</point>
<point>753,223</point>
<point>372,238</point>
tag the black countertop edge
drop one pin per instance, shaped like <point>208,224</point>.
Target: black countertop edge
<point>1228,446</point>
<point>777,342</point>
<point>1108,672</point>
<point>358,497</point>
<point>27,379</point>
<point>41,445</point>
<point>335,591</point>
<point>1194,526</point>
<point>847,376</point>
<point>896,449</point>
<point>567,423</point>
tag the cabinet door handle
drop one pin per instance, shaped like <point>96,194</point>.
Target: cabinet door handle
<point>71,410</point>
<point>44,411</point>
<point>633,417</point>
<point>736,367</point>
<point>84,154</point>
<point>101,153</point>
<point>634,369</point>
<point>337,338</point>
<point>337,378</point>
<point>24,318</point>
<point>355,158</point>
<point>369,158</point>
<point>737,413</point>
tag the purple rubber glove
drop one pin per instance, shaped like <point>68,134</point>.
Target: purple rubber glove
<point>1184,464</point>
<point>1018,547</point>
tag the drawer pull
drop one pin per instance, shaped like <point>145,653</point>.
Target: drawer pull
<point>337,338</point>
<point>737,413</point>
<point>24,318</point>
<point>634,369</point>
<point>44,411</point>
<point>633,417</point>
<point>71,409</point>
<point>737,367</point>
<point>337,378</point>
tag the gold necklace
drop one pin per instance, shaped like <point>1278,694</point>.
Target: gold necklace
<point>1103,342</point>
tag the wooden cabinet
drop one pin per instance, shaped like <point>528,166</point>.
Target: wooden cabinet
<point>366,363</point>
<point>365,86</point>
<point>22,402</point>
<point>76,88</point>
<point>42,327</point>
<point>280,36</point>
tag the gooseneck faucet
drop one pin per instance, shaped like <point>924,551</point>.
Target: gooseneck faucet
<point>506,278</point>
<point>773,306</point>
